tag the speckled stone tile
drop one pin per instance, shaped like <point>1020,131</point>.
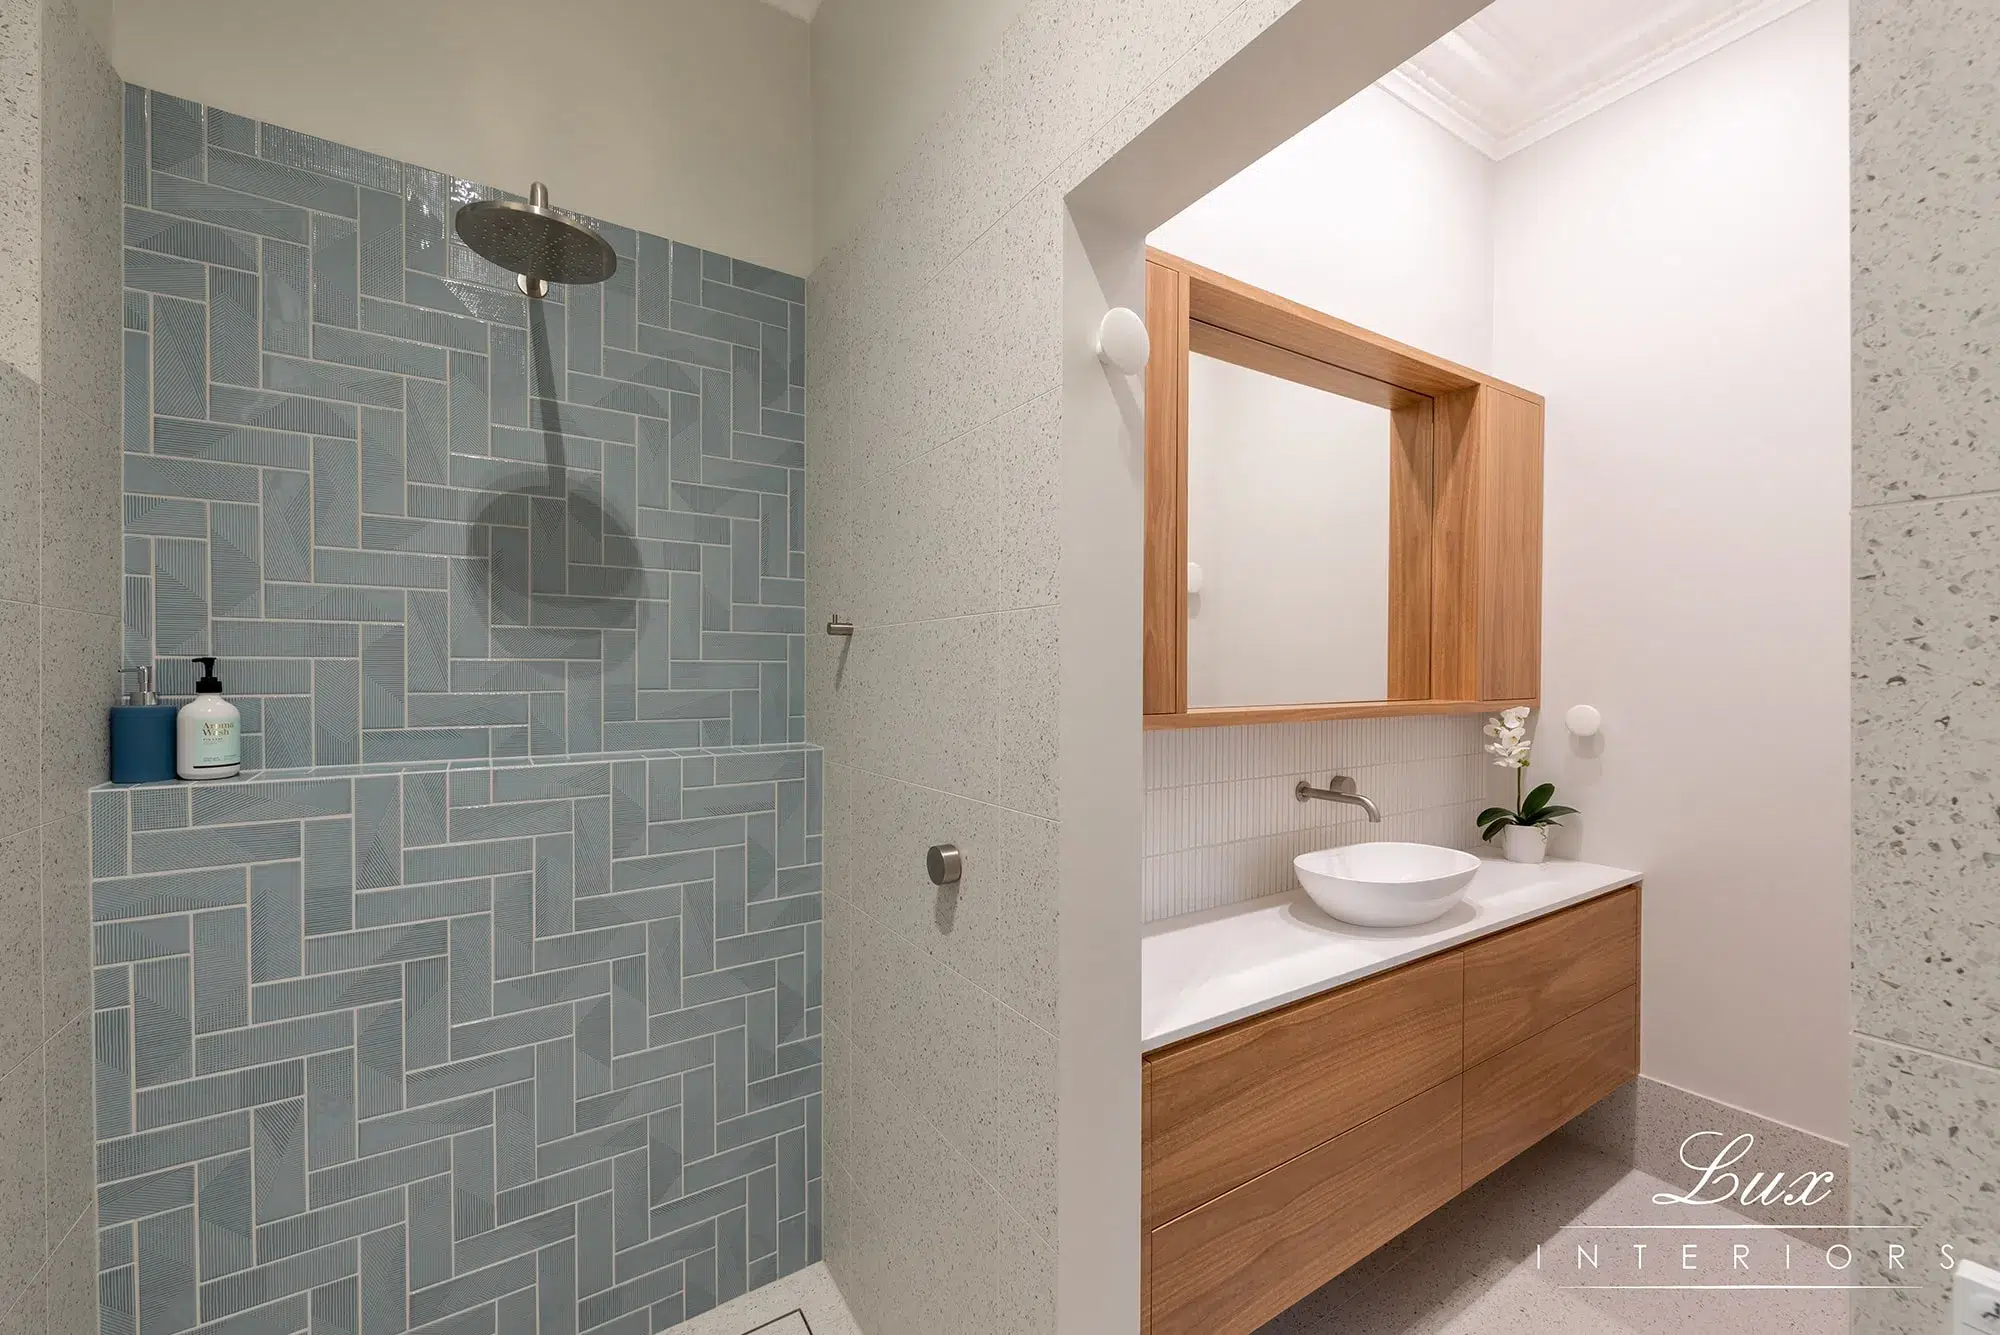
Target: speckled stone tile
<point>65,879</point>
<point>21,185</point>
<point>1025,1155</point>
<point>882,828</point>
<point>1030,925</point>
<point>1027,668</point>
<point>1927,1153</point>
<point>22,1237</point>
<point>79,650</point>
<point>83,109</point>
<point>21,683</point>
<point>924,1231</point>
<point>21,923</point>
<point>71,1279</point>
<point>68,1137</point>
<point>20,484</point>
<point>1927,744</point>
<point>1926,222</point>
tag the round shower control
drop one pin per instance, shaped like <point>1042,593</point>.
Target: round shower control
<point>945,864</point>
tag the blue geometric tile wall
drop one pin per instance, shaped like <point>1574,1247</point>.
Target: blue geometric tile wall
<point>527,1050</point>
<point>420,517</point>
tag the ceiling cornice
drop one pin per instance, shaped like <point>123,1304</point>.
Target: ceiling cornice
<point>1523,69</point>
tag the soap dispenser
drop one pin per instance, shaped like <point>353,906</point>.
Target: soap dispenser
<point>142,733</point>
<point>208,742</point>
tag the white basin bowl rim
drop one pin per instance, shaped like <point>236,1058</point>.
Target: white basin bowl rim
<point>1388,884</point>
<point>1388,863</point>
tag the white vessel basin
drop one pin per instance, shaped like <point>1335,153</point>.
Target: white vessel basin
<point>1386,885</point>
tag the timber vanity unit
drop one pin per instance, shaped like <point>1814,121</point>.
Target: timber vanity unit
<point>1341,526</point>
<point>1302,1112</point>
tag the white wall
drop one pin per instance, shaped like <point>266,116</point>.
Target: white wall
<point>688,118</point>
<point>1673,275</point>
<point>1376,215</point>
<point>882,72</point>
<point>1373,214</point>
<point>1288,508</point>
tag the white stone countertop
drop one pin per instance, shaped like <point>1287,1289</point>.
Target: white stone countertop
<point>1203,970</point>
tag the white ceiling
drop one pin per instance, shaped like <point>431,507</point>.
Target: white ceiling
<point>1520,70</point>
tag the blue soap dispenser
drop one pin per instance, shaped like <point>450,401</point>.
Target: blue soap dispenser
<point>142,733</point>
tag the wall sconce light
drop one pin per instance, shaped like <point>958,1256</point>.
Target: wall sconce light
<point>1122,341</point>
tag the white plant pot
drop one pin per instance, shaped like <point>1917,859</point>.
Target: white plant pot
<point>1524,843</point>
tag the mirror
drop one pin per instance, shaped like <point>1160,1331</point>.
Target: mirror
<point>1365,517</point>
<point>1288,524</point>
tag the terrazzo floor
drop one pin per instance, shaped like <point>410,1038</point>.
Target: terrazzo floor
<point>1471,1268</point>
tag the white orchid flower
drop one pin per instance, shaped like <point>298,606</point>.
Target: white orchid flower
<point>1510,738</point>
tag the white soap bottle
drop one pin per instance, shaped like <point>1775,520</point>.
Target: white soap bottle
<point>208,732</point>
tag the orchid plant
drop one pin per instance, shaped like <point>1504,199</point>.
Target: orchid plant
<point>1511,745</point>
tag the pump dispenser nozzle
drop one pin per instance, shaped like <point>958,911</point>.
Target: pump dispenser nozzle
<point>143,693</point>
<point>209,684</point>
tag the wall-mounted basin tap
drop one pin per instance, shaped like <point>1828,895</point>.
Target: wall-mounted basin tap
<point>1340,788</point>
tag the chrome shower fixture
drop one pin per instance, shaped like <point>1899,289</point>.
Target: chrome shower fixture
<point>535,242</point>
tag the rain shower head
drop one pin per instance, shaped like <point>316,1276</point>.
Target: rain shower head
<point>535,242</point>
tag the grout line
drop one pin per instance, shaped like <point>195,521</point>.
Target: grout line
<point>1981,1067</point>
<point>1877,507</point>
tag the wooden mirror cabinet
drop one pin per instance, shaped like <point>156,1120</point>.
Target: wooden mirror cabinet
<point>1463,507</point>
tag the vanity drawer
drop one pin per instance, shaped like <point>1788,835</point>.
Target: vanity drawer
<point>1233,1264</point>
<point>1227,1106</point>
<point>1521,982</point>
<point>1514,1099</point>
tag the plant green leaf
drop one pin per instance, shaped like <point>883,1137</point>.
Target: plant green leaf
<point>1548,815</point>
<point>1537,799</point>
<point>1497,826</point>
<point>1493,813</point>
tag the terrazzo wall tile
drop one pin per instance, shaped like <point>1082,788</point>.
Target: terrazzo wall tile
<point>528,1047</point>
<point>1926,926</point>
<point>60,108</point>
<point>1925,1129</point>
<point>1927,725</point>
<point>935,361</point>
<point>422,518</point>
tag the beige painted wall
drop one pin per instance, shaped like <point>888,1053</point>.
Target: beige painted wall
<point>683,117</point>
<point>882,72</point>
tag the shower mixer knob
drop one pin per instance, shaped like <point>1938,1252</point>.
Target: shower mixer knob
<point>945,864</point>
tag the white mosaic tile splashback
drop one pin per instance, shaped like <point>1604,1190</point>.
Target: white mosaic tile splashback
<point>1222,825</point>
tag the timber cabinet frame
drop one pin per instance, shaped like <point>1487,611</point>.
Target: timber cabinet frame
<point>1465,517</point>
